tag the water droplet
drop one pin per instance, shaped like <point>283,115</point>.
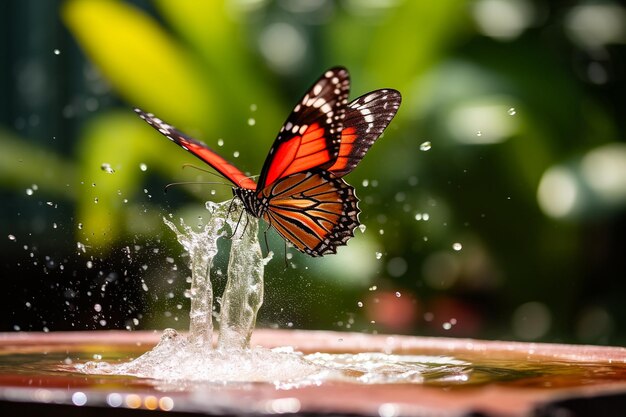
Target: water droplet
<point>388,410</point>
<point>57,52</point>
<point>11,237</point>
<point>373,288</point>
<point>253,107</point>
<point>360,304</point>
<point>95,200</point>
<point>379,255</point>
<point>479,133</point>
<point>236,154</point>
<point>446,326</point>
<point>398,294</point>
<point>80,225</point>
<point>381,231</point>
<point>426,146</point>
<point>251,122</point>
<point>29,191</point>
<point>366,183</point>
<point>54,225</point>
<point>107,168</point>
<point>220,142</point>
<point>512,111</point>
<point>457,246</point>
<point>362,228</point>
<point>89,264</point>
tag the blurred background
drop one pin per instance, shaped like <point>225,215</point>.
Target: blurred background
<point>494,206</point>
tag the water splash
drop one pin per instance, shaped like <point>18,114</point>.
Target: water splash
<point>182,360</point>
<point>194,358</point>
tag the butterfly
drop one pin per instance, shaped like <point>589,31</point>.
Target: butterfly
<point>301,191</point>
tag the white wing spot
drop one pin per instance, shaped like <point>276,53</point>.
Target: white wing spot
<point>297,108</point>
<point>317,89</point>
<point>303,129</point>
<point>327,109</point>
<point>319,103</point>
<point>288,125</point>
<point>328,74</point>
<point>295,129</point>
<point>369,98</point>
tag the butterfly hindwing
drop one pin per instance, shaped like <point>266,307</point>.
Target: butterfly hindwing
<point>315,211</point>
<point>200,150</point>
<point>365,120</point>
<point>310,137</point>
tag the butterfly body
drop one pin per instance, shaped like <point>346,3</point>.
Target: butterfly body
<point>301,192</point>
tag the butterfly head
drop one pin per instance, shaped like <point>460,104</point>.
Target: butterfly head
<point>251,202</point>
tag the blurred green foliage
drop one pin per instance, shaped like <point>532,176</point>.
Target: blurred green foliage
<point>494,205</point>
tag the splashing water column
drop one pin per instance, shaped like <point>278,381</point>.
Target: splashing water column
<point>243,294</point>
<point>202,248</point>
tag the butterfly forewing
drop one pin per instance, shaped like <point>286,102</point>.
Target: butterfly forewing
<point>300,191</point>
<point>315,211</point>
<point>200,150</point>
<point>310,137</point>
<point>365,120</point>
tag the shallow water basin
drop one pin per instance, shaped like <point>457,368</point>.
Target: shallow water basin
<point>376,375</point>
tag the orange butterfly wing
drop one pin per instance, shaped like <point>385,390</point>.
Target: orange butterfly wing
<point>200,150</point>
<point>310,137</point>
<point>365,120</point>
<point>315,211</point>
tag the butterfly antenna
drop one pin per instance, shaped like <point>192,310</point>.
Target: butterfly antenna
<point>167,187</point>
<point>203,170</point>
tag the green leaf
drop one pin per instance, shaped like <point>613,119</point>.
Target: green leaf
<point>144,64</point>
<point>210,28</point>
<point>23,164</point>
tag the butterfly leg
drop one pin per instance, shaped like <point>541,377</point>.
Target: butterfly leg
<point>237,225</point>
<point>267,246</point>
<point>245,226</point>
<point>286,264</point>
<point>230,206</point>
